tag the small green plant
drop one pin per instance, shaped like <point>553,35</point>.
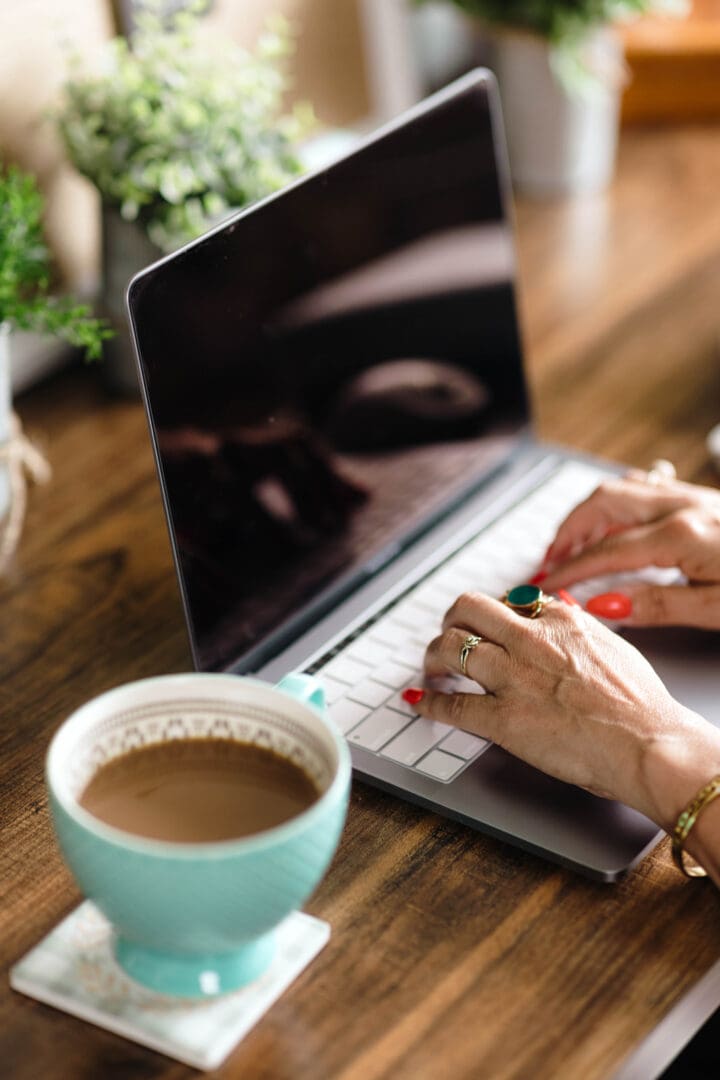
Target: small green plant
<point>182,127</point>
<point>564,23</point>
<point>25,274</point>
<point>561,20</point>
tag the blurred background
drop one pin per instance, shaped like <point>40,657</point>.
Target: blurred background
<point>360,62</point>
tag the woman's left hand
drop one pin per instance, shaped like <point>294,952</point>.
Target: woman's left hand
<point>628,524</point>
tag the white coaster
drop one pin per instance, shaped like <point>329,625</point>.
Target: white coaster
<point>73,969</point>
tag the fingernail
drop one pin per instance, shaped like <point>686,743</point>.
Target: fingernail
<point>568,598</point>
<point>610,605</point>
<point>546,556</point>
<point>412,695</point>
<point>538,578</point>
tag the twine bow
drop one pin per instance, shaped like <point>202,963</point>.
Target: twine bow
<point>18,457</point>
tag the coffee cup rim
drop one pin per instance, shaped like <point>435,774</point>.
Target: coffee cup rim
<point>195,849</point>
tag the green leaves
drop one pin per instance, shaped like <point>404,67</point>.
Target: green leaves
<point>182,127</point>
<point>25,271</point>
<point>563,20</point>
<point>23,255</point>
<point>565,25</point>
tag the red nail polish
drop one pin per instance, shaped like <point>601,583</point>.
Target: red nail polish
<point>412,695</point>
<point>568,598</point>
<point>538,578</point>
<point>610,605</point>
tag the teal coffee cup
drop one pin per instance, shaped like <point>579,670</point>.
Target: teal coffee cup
<point>199,919</point>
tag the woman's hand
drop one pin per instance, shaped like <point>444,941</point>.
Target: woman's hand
<point>575,700</point>
<point>629,524</point>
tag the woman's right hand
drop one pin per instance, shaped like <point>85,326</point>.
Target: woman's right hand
<point>570,697</point>
<point>629,524</point>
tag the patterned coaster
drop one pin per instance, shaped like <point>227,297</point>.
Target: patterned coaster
<point>73,969</point>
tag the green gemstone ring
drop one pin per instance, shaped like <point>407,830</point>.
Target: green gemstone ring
<point>527,600</point>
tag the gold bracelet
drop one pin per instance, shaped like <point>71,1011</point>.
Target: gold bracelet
<point>685,823</point>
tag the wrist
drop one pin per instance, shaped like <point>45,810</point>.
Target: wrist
<point>676,764</point>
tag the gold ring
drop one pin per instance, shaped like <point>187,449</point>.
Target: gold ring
<point>466,648</point>
<point>660,471</point>
<point>527,600</point>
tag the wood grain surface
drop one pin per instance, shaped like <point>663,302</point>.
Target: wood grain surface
<point>452,955</point>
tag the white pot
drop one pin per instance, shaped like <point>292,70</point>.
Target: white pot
<point>5,411</point>
<point>559,141</point>
<point>126,248</point>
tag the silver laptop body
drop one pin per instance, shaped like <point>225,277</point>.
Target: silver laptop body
<point>335,393</point>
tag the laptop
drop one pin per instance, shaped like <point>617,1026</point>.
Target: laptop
<point>334,386</point>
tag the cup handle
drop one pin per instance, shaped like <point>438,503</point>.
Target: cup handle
<point>305,688</point>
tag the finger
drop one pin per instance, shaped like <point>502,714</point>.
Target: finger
<point>674,605</point>
<point>613,506</point>
<point>484,615</point>
<point>485,663</point>
<point>633,549</point>
<point>476,713</point>
<point>661,471</point>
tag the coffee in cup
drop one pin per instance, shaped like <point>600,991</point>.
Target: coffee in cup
<point>198,790</point>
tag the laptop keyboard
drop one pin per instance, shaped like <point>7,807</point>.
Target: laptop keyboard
<point>365,674</point>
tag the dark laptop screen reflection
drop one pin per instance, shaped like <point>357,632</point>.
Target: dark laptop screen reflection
<point>329,374</point>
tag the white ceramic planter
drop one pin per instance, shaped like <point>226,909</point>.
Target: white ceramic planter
<point>5,411</point>
<point>559,142</point>
<point>126,249</point>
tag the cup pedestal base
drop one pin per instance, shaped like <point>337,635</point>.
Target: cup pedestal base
<point>197,976</point>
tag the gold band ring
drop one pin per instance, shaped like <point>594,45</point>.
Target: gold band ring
<point>466,648</point>
<point>527,600</point>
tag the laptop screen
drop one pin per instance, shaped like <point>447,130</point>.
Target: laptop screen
<point>330,372</point>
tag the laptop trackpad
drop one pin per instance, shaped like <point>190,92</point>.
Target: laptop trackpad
<point>688,662</point>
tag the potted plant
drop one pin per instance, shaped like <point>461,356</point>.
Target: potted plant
<point>25,302</point>
<point>178,129</point>
<point>560,70</point>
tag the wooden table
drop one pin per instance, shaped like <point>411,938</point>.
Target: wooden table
<point>451,955</point>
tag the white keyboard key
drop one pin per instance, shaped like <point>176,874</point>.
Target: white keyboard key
<point>419,638</point>
<point>346,670</point>
<point>369,692</point>
<point>368,651</point>
<point>397,676</point>
<point>434,598</point>
<point>415,619</point>
<point>464,744</point>
<point>494,586</point>
<point>333,689</point>
<point>415,740</point>
<point>411,653</point>
<point>660,575</point>
<point>452,582</point>
<point>396,702</point>
<point>388,632</point>
<point>346,714</point>
<point>379,728</point>
<point>403,616</point>
<point>470,564</point>
<point>440,766</point>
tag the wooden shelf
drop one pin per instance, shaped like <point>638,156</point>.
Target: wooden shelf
<point>674,66</point>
